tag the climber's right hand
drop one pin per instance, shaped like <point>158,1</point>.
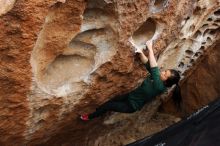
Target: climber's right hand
<point>138,51</point>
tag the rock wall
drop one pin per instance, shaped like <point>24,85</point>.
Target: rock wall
<point>201,86</point>
<point>60,59</point>
<point>206,82</point>
<point>6,5</point>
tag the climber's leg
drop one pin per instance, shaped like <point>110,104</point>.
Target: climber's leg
<point>116,106</point>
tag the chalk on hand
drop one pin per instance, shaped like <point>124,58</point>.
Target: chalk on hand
<point>136,48</point>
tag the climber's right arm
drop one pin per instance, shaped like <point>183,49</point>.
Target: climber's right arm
<point>151,57</point>
<point>143,58</point>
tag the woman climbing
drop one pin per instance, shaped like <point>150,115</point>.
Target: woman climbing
<point>156,83</point>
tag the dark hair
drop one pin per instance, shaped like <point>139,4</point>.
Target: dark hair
<point>177,98</point>
<point>172,80</point>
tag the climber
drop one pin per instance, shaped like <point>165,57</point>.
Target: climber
<point>156,83</point>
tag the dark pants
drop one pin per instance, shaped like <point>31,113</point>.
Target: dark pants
<point>118,104</point>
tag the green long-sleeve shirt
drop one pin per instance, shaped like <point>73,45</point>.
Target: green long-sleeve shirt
<point>150,88</point>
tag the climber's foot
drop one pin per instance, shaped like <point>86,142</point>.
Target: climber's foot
<point>85,117</point>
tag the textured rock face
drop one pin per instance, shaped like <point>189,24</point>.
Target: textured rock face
<point>202,85</point>
<point>206,82</point>
<point>59,60</point>
<point>6,5</point>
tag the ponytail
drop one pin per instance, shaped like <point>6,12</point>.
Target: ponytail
<point>177,98</point>
<point>173,80</point>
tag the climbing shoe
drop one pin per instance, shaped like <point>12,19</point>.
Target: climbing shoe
<point>84,117</point>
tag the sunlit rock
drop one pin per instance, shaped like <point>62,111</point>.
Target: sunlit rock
<point>6,5</point>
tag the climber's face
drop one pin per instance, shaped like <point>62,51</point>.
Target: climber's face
<point>164,75</point>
